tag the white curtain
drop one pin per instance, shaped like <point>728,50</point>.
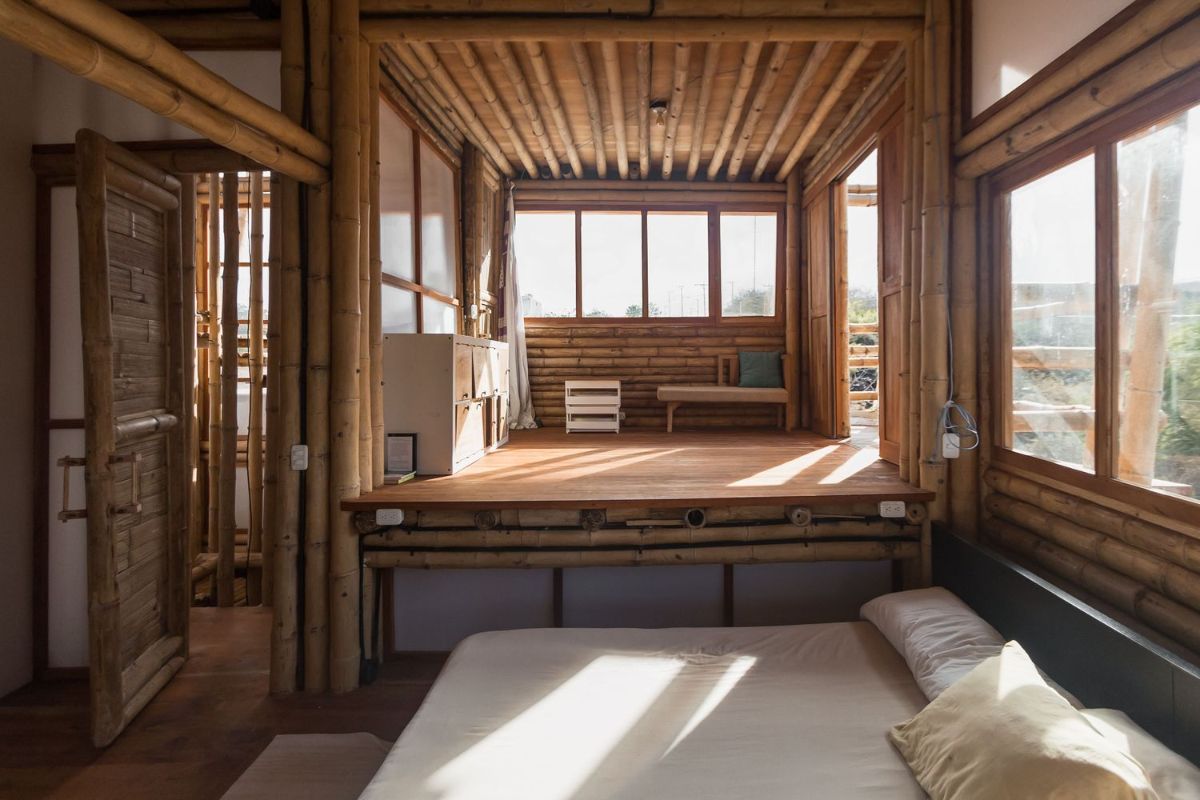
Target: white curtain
<point>520,398</point>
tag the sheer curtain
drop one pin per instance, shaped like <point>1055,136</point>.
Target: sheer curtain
<point>520,398</point>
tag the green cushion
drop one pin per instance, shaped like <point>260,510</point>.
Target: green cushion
<point>760,370</point>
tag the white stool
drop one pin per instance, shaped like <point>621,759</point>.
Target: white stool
<point>593,406</point>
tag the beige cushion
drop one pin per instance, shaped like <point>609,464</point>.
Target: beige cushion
<point>1171,775</point>
<point>312,766</point>
<point>1001,732</point>
<point>720,394</point>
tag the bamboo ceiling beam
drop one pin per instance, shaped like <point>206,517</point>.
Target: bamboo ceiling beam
<point>804,80</point>
<point>655,29</point>
<point>736,101</point>
<point>143,46</point>
<point>712,56</point>
<point>466,52</point>
<point>189,32</point>
<point>88,59</point>
<point>587,79</point>
<point>455,97</point>
<point>424,84</point>
<point>541,73</point>
<point>675,109</point>
<point>667,8</point>
<point>616,103</point>
<point>757,106</point>
<point>525,97</point>
<point>403,89</point>
<point>855,60</point>
<point>642,56</point>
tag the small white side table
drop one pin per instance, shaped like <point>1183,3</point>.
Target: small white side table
<point>593,406</point>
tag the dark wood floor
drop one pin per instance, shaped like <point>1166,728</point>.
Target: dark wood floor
<point>201,732</point>
<point>549,468</point>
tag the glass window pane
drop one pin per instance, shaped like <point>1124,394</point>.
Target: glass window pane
<point>439,253</point>
<point>396,192</point>
<point>1052,262</point>
<point>612,263</point>
<point>437,317</point>
<point>399,310</point>
<point>677,258</point>
<point>1158,264</point>
<point>749,257</point>
<point>544,246</point>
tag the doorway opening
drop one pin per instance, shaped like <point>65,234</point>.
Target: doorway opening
<point>862,301</point>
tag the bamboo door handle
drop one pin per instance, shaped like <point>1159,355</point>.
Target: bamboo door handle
<point>134,505</point>
<point>68,513</point>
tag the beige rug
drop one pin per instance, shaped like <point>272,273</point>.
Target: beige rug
<point>312,766</point>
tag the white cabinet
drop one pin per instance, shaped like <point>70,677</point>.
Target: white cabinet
<point>451,391</point>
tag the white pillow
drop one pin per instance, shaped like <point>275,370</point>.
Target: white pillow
<point>1172,775</point>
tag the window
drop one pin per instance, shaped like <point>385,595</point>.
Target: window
<point>420,261</point>
<point>643,263</point>
<point>1100,274</point>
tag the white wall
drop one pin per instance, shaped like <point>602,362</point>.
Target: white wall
<point>1013,39</point>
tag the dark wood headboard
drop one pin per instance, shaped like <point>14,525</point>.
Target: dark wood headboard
<point>1103,662</point>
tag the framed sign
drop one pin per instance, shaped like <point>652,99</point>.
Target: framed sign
<point>400,455</point>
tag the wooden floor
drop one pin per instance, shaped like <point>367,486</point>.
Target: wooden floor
<point>548,468</point>
<point>201,732</point>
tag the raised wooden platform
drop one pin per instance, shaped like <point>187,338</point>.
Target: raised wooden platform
<point>548,468</point>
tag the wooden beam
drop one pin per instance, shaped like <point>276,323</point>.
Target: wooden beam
<point>712,56</point>
<point>656,29</point>
<point>642,55</point>
<point>855,60</point>
<point>616,103</point>
<point>667,8</point>
<point>525,97</point>
<point>188,33</point>
<point>757,106</point>
<point>545,81</point>
<point>736,101</point>
<point>454,96</point>
<point>804,80</point>
<point>227,486</point>
<point>254,439</point>
<point>587,79</point>
<point>675,109</point>
<point>466,51</point>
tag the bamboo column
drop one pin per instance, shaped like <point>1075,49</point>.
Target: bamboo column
<point>254,438</point>
<point>913,269</point>
<point>214,359</point>
<point>226,493</point>
<point>271,415</point>
<point>345,317</point>
<point>187,313</point>
<point>906,270</point>
<point>795,192</point>
<point>376,294</point>
<point>317,341</point>
<point>365,439</point>
<point>285,355</point>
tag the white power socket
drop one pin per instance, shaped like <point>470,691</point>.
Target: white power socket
<point>299,457</point>
<point>950,445</point>
<point>893,509</point>
<point>389,516</point>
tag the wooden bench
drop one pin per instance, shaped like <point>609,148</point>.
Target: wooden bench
<point>726,391</point>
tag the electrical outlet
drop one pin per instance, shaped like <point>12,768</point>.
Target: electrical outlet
<point>892,509</point>
<point>389,516</point>
<point>950,445</point>
<point>299,457</point>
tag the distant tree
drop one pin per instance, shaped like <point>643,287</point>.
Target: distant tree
<point>595,312</point>
<point>751,303</point>
<point>635,310</point>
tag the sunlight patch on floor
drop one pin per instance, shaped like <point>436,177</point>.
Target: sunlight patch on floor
<point>852,466</point>
<point>780,474</point>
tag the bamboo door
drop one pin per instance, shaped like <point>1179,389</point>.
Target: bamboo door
<point>891,313</point>
<point>135,417</point>
<point>822,384</point>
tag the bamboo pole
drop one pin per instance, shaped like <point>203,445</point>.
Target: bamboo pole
<point>285,370</point>
<point>428,90</point>
<point>466,51</point>
<point>906,264</point>
<point>853,61</point>
<point>138,43</point>
<point>365,436</point>
<point>675,108</point>
<point>226,491</point>
<point>545,81</point>
<point>964,322</point>
<point>316,349</point>
<point>913,269</point>
<point>345,317</point>
<point>737,100</point>
<point>404,89</point>
<point>666,8</point>
<point>86,58</point>
<point>757,105</point>
<point>712,57</point>
<point>587,79</point>
<point>616,103</point>
<point>214,361</point>
<point>462,106</point>
<point>376,293</point>
<point>792,279</point>
<point>804,80</point>
<point>254,439</point>
<point>273,357</point>
<point>191,397</point>
<point>525,98</point>
<point>642,59</point>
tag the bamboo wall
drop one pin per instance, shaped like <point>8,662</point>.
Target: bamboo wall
<point>643,358</point>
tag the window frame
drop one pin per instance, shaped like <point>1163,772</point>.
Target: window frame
<point>713,210</point>
<point>1099,139</point>
<point>421,139</point>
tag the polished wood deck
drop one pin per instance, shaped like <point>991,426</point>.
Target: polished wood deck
<point>548,468</point>
<point>201,732</point>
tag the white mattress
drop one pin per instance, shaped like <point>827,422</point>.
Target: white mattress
<point>764,713</point>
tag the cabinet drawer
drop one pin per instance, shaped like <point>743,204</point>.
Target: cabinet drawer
<point>483,363</point>
<point>464,371</point>
<point>470,434</point>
